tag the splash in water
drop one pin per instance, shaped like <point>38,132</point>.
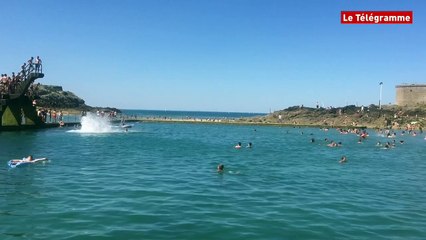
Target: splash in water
<point>95,124</point>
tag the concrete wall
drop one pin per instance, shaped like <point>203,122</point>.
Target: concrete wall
<point>410,95</point>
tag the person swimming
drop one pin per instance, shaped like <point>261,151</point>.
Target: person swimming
<point>238,146</point>
<point>343,159</point>
<point>220,168</point>
<point>249,145</point>
<point>332,144</point>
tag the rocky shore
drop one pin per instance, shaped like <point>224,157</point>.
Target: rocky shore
<point>389,116</point>
<point>55,98</point>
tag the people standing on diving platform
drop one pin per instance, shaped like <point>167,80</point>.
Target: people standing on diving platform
<point>38,65</point>
<point>31,64</point>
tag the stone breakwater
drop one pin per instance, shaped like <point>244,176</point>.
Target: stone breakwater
<point>241,121</point>
<point>346,117</point>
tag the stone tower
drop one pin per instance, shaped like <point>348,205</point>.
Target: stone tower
<point>410,94</point>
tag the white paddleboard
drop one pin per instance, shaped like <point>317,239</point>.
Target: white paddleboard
<point>19,162</point>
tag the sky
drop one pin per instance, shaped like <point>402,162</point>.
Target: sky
<point>215,55</point>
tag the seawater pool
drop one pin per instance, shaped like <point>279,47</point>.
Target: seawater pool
<point>159,181</point>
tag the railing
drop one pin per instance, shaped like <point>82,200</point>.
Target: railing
<point>28,73</point>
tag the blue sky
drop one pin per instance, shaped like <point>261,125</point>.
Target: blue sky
<point>221,55</point>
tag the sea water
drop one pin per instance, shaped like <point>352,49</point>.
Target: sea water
<point>159,181</point>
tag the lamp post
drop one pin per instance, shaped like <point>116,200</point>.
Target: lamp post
<point>380,96</point>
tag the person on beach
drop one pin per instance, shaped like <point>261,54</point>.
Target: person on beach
<point>220,168</point>
<point>343,159</point>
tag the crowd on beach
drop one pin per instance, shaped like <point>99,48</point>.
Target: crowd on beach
<point>10,83</point>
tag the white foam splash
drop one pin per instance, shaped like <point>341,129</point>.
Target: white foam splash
<point>95,124</point>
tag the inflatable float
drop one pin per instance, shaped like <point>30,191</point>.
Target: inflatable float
<point>23,162</point>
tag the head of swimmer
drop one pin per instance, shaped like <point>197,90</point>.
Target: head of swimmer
<point>220,167</point>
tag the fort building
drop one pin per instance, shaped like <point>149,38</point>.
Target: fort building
<point>410,95</point>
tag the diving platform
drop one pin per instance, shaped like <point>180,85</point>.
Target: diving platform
<point>17,110</point>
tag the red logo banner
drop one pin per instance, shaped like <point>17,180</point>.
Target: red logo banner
<point>376,17</point>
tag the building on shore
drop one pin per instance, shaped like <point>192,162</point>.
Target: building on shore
<point>410,95</point>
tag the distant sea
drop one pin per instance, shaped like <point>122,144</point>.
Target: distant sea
<point>159,181</point>
<point>189,114</point>
<point>173,114</point>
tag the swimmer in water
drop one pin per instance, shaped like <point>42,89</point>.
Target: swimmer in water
<point>220,168</point>
<point>249,145</point>
<point>343,159</point>
<point>387,145</point>
<point>238,146</point>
